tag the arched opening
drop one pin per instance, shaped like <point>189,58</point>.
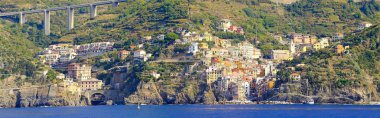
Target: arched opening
<point>98,99</point>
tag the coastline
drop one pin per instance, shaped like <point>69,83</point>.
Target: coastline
<point>217,104</point>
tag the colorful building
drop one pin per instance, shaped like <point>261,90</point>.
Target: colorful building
<point>339,49</point>
<point>79,72</point>
<point>122,54</point>
<point>280,55</point>
<point>91,84</point>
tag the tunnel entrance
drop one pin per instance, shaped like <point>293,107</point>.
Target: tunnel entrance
<point>98,99</point>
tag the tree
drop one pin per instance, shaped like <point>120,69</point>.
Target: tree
<point>51,75</point>
<point>170,37</point>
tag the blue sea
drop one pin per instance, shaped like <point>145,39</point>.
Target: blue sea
<point>197,111</point>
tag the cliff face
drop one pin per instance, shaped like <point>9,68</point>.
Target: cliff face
<point>146,93</point>
<point>32,96</point>
<point>153,93</point>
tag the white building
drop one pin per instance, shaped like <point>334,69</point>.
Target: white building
<point>246,50</point>
<point>233,51</point>
<point>292,47</point>
<point>51,58</point>
<point>295,77</point>
<point>193,48</point>
<point>225,24</point>
<point>161,37</point>
<point>147,38</point>
<point>60,76</point>
<point>247,88</point>
<point>364,25</point>
<point>223,83</point>
<point>94,47</point>
<point>337,37</point>
<point>66,58</point>
<point>269,68</point>
<point>156,75</point>
<point>62,48</point>
<point>324,42</point>
<point>139,54</point>
<point>188,36</point>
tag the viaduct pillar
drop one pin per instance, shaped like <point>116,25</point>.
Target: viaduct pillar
<point>93,11</point>
<point>70,16</point>
<point>22,18</point>
<point>47,22</point>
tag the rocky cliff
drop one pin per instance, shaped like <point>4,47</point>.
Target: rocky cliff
<point>37,95</point>
<point>154,93</point>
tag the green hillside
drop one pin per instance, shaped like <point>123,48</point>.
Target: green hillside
<point>259,18</point>
<point>140,18</point>
<point>16,54</point>
<point>354,74</point>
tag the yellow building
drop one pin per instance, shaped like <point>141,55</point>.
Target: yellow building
<point>304,49</point>
<point>219,52</point>
<point>70,86</point>
<point>203,46</point>
<point>222,43</point>
<point>303,39</point>
<point>271,84</point>
<point>207,37</point>
<point>339,49</point>
<point>123,54</point>
<point>317,46</point>
<point>211,77</point>
<point>313,39</point>
<point>280,55</point>
<point>212,74</point>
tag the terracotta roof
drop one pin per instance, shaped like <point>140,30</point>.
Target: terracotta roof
<point>295,74</point>
<point>215,60</point>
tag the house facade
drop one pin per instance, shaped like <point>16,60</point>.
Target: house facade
<point>280,55</point>
<point>79,72</point>
<point>91,84</point>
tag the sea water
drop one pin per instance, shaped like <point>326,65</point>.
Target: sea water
<point>197,111</point>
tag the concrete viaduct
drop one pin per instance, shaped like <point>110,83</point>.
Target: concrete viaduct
<point>70,13</point>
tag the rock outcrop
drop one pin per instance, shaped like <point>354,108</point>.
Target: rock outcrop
<point>146,93</point>
<point>38,96</point>
<point>152,93</point>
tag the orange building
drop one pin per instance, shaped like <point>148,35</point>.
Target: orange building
<point>339,49</point>
<point>123,54</point>
<point>303,39</point>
